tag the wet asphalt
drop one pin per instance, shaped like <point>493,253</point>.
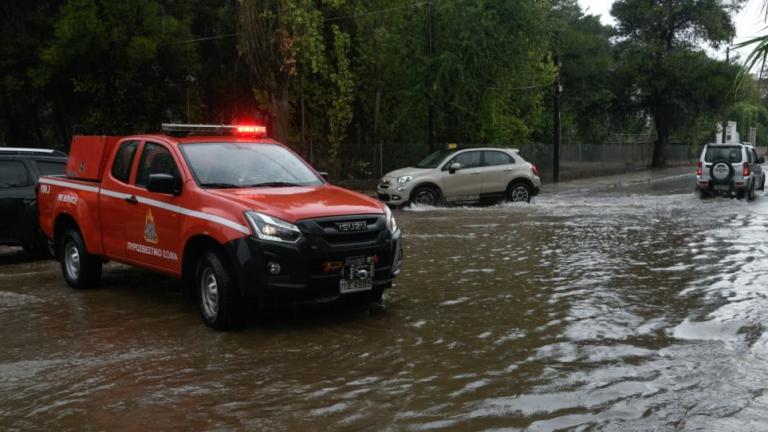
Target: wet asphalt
<point>620,304</point>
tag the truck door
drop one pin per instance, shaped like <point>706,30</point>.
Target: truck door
<point>112,201</point>
<point>152,219</point>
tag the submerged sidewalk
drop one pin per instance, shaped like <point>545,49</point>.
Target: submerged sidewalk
<point>631,178</point>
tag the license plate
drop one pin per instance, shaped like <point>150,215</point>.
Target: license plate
<point>355,285</point>
<point>722,187</point>
<point>357,275</point>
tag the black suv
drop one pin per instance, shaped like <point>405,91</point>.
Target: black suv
<point>19,170</point>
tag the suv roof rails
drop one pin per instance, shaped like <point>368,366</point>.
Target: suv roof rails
<point>25,151</point>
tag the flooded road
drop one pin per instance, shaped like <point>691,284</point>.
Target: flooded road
<point>635,307</point>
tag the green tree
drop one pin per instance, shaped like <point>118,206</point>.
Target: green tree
<point>118,67</point>
<point>660,40</point>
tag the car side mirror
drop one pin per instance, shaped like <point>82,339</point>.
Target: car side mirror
<point>164,183</point>
<point>323,174</point>
<point>454,167</point>
<point>761,160</point>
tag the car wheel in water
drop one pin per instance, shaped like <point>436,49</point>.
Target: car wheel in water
<point>425,195</point>
<point>751,193</point>
<point>220,302</point>
<point>81,270</point>
<point>519,192</point>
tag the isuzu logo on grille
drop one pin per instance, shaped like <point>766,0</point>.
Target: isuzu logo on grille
<point>351,226</point>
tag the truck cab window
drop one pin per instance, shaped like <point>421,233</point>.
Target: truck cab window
<point>121,168</point>
<point>155,159</point>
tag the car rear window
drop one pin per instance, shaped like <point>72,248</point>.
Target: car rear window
<point>730,154</point>
<point>13,174</point>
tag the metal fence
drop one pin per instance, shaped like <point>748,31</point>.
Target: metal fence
<point>612,157</point>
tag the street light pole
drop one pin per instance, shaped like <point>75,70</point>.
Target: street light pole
<point>558,90</point>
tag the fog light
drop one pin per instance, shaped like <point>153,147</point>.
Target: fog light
<point>273,268</point>
<point>396,197</point>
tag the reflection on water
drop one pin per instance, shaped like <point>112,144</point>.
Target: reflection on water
<point>628,309</point>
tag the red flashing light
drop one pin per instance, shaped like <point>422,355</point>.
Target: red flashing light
<point>251,130</point>
<point>745,173</point>
<point>699,170</point>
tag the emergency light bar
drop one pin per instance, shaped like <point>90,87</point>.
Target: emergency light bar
<point>190,129</point>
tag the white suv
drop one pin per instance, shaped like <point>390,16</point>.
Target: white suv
<point>470,175</point>
<point>728,169</point>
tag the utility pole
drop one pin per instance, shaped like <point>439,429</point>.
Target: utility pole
<point>558,90</point>
<point>431,76</point>
<point>725,119</point>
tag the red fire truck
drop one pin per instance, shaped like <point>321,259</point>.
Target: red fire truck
<point>235,214</point>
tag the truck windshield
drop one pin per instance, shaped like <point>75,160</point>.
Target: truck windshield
<point>730,154</point>
<point>244,165</point>
<point>434,159</point>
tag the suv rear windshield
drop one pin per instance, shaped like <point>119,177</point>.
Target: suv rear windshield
<point>730,154</point>
<point>244,165</point>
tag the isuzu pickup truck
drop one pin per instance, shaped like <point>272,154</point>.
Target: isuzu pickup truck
<point>235,214</point>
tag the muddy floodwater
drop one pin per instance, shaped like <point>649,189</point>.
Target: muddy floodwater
<point>627,308</point>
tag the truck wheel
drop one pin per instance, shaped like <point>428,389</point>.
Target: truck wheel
<point>519,192</point>
<point>81,270</point>
<point>221,305</point>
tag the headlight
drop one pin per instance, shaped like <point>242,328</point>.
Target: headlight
<point>273,229</point>
<point>391,223</point>
<point>404,179</point>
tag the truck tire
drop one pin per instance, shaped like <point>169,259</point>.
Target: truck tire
<point>220,302</point>
<point>81,270</point>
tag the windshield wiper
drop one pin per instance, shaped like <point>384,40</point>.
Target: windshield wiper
<point>220,185</point>
<point>273,184</point>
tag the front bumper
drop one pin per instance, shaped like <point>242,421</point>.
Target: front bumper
<point>393,195</point>
<point>302,276</point>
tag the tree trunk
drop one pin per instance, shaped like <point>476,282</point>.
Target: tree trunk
<point>662,117</point>
<point>280,111</point>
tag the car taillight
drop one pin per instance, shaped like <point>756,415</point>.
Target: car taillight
<point>699,171</point>
<point>534,169</point>
<point>746,170</point>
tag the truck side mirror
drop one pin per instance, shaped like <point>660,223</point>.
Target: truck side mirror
<point>454,167</point>
<point>164,183</point>
<point>761,160</point>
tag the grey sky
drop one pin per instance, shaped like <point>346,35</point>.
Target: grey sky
<point>750,21</point>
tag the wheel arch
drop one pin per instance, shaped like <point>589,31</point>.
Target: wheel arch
<point>63,222</point>
<point>523,180</point>
<point>429,184</point>
<point>193,249</point>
